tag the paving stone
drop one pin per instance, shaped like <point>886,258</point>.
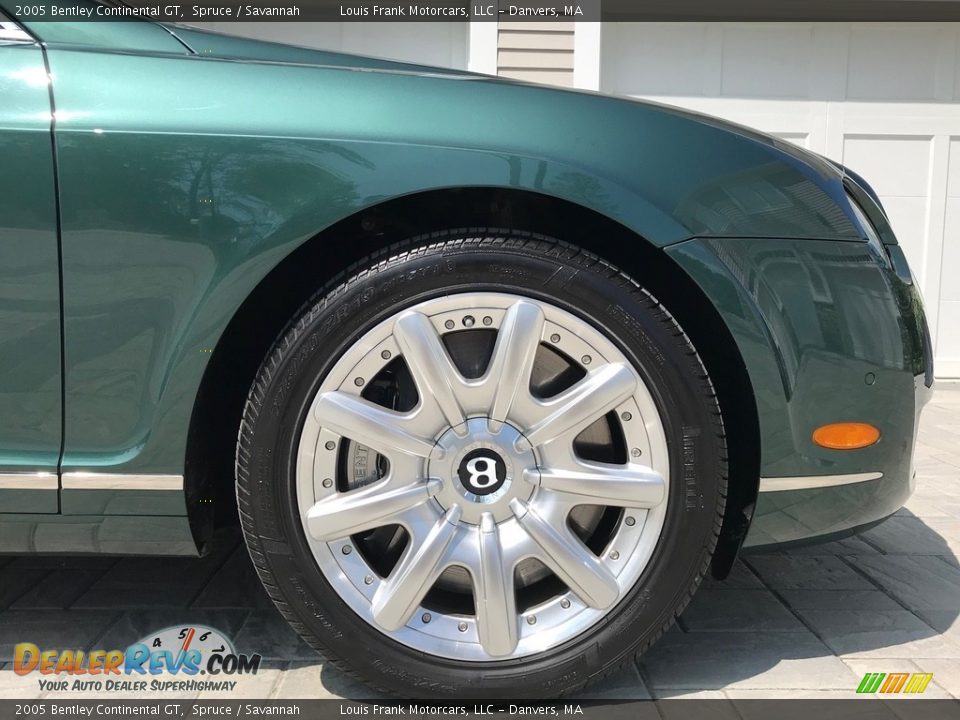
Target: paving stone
<point>267,633</point>
<point>919,582</point>
<point>943,442</point>
<point>950,459</point>
<point>740,577</point>
<point>947,528</point>
<point>907,536</point>
<point>57,590</point>
<point>946,673</point>
<point>720,609</point>
<point>234,585</point>
<point>923,507</point>
<point>879,634</point>
<point>939,482</point>
<point>75,629</point>
<point>625,684</point>
<point>925,463</point>
<point>61,562</point>
<point>151,582</point>
<point>314,680</point>
<point>792,572</point>
<point>773,660</point>
<point>859,600</point>
<point>938,488</point>
<point>945,622</point>
<point>18,583</point>
<point>848,546</point>
<point>18,687</point>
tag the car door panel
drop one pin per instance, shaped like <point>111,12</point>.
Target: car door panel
<point>30,381</point>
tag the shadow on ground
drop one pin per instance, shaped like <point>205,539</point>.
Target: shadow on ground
<point>808,621</point>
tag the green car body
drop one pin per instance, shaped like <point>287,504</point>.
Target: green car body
<point>190,172</point>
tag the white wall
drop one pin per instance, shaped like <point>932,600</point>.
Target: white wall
<point>536,52</point>
<point>883,99</point>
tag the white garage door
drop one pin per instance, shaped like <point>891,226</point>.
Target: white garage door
<point>429,43</point>
<point>882,99</point>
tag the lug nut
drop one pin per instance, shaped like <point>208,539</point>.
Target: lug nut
<point>586,359</point>
<point>468,321</point>
<point>358,382</point>
<point>531,619</point>
<point>626,417</point>
<point>554,338</point>
<point>615,555</point>
<point>426,617</point>
<point>636,452</point>
<point>386,354</point>
<point>327,483</point>
<point>631,521</point>
<point>487,320</point>
<point>462,627</point>
<point>449,324</point>
<point>368,580</point>
<point>330,445</point>
<point>346,550</point>
<point>565,604</point>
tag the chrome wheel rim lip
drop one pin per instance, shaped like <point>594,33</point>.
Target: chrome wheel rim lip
<point>514,518</point>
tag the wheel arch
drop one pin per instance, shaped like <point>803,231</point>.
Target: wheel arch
<point>212,434</point>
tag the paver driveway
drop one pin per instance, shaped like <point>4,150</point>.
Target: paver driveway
<point>801,623</point>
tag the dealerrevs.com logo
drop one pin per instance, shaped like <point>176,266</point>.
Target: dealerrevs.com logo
<point>168,660</point>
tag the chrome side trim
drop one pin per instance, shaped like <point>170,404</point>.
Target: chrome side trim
<point>810,482</point>
<point>107,481</point>
<point>29,481</point>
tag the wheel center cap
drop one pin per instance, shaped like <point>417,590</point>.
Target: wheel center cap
<point>482,472</point>
<point>481,469</point>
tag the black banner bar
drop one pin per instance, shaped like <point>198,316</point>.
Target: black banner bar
<point>544,11</point>
<point>175,707</point>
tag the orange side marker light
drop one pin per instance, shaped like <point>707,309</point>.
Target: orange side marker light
<point>846,435</point>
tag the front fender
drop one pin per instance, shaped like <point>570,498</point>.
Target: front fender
<point>829,332</point>
<point>184,181</point>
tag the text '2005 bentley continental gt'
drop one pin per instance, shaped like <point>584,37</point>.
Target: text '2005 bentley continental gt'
<point>493,374</point>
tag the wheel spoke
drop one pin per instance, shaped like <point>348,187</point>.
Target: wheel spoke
<point>400,594</point>
<point>433,372</point>
<point>369,424</point>
<point>494,595</point>
<point>570,560</point>
<point>587,401</point>
<point>635,486</point>
<point>512,360</point>
<point>370,507</point>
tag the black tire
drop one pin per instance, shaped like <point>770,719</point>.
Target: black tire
<point>504,261</point>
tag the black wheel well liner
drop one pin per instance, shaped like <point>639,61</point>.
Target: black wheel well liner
<point>209,462</point>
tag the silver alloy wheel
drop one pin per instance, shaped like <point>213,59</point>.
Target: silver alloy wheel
<point>482,475</point>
